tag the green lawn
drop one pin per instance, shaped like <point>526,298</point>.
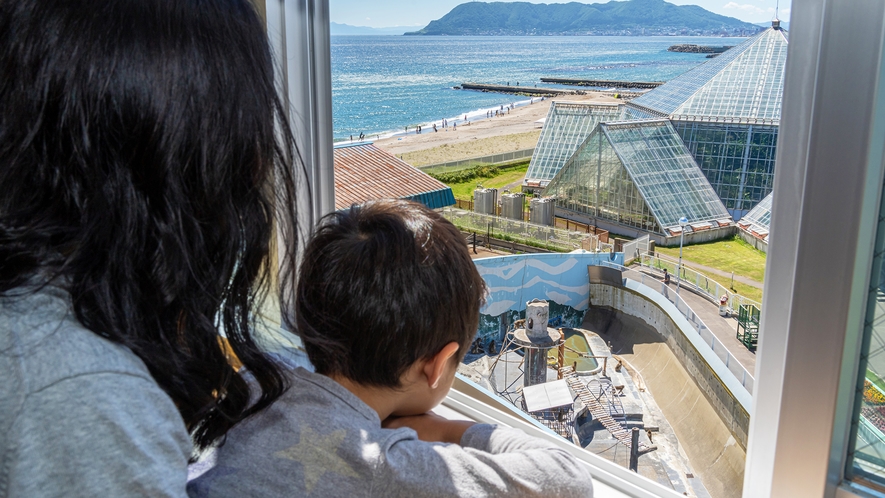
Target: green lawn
<point>731,255</point>
<point>464,190</point>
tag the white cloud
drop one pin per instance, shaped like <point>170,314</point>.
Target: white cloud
<point>752,11</point>
<point>749,8</point>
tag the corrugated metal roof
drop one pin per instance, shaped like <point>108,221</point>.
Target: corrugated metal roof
<point>364,172</point>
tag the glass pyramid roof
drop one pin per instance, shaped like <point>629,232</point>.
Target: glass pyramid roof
<point>568,124</point>
<point>758,220</point>
<point>745,83</point>
<point>637,171</point>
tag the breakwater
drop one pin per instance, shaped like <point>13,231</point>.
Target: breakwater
<point>697,49</point>
<point>603,83</point>
<point>519,90</point>
<point>529,91</point>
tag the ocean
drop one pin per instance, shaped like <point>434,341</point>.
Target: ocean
<point>381,84</point>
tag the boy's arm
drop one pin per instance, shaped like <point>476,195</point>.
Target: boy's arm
<point>489,461</point>
<point>431,427</point>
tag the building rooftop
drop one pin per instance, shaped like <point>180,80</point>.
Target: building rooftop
<point>567,125</point>
<point>364,172</point>
<point>744,84</point>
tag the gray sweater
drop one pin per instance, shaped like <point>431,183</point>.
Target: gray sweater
<point>80,415</point>
<point>319,439</point>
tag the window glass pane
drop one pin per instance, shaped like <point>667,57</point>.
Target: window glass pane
<point>867,456</point>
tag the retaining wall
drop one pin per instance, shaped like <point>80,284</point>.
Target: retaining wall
<point>753,241</point>
<point>728,398</point>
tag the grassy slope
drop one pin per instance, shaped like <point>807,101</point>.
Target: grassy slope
<point>731,255</point>
<point>464,190</point>
<point>726,255</point>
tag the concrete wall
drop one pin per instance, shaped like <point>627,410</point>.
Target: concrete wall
<point>712,379</point>
<point>753,241</point>
<point>700,434</point>
<point>659,239</point>
<point>698,237</point>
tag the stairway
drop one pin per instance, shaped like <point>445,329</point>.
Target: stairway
<point>596,409</point>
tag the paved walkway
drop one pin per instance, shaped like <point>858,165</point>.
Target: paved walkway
<point>716,271</point>
<point>725,329</point>
<point>511,186</point>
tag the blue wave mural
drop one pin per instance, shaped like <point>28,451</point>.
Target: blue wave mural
<point>559,278</point>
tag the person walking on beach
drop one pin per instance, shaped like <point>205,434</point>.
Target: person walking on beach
<point>455,127</point>
<point>434,127</point>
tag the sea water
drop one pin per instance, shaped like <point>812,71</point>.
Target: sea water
<point>381,84</point>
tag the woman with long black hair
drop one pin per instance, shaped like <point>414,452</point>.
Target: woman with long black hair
<point>145,166</point>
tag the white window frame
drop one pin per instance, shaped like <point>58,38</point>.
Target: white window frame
<point>828,183</point>
<point>827,187</point>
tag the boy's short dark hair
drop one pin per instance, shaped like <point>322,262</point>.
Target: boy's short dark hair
<point>383,285</point>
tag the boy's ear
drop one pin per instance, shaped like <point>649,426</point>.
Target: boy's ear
<point>436,365</point>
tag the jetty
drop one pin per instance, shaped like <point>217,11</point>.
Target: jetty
<point>520,90</point>
<point>604,83</point>
<point>532,91</point>
<point>698,49</point>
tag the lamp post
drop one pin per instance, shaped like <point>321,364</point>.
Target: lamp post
<point>682,222</point>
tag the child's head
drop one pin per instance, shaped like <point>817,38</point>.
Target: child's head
<point>382,286</point>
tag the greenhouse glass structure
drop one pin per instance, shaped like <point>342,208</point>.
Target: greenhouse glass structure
<point>724,114</point>
<point>727,112</point>
<point>757,223</point>
<point>638,174</point>
<point>567,125</point>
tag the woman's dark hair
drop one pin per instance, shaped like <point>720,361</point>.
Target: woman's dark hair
<point>145,162</point>
<point>383,285</point>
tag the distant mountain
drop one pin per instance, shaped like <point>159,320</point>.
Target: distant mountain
<point>632,17</point>
<point>347,29</point>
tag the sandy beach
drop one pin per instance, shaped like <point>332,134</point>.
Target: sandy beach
<point>516,130</point>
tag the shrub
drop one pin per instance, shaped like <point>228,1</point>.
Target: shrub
<point>478,171</point>
<point>872,395</point>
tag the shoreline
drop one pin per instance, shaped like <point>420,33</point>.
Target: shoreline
<point>460,119</point>
<point>483,135</point>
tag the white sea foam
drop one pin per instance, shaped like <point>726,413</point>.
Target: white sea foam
<point>474,115</point>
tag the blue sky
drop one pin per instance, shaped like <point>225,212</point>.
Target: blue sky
<point>384,13</point>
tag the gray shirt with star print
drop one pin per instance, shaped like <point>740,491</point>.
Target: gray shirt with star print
<point>79,414</point>
<point>319,439</point>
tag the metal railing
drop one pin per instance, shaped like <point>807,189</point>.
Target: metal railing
<point>523,232</point>
<point>741,374</point>
<point>635,248</point>
<point>695,281</point>
<point>502,157</point>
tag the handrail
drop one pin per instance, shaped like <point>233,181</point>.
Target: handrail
<point>696,281</point>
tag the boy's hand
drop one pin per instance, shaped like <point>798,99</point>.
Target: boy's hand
<point>431,427</point>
